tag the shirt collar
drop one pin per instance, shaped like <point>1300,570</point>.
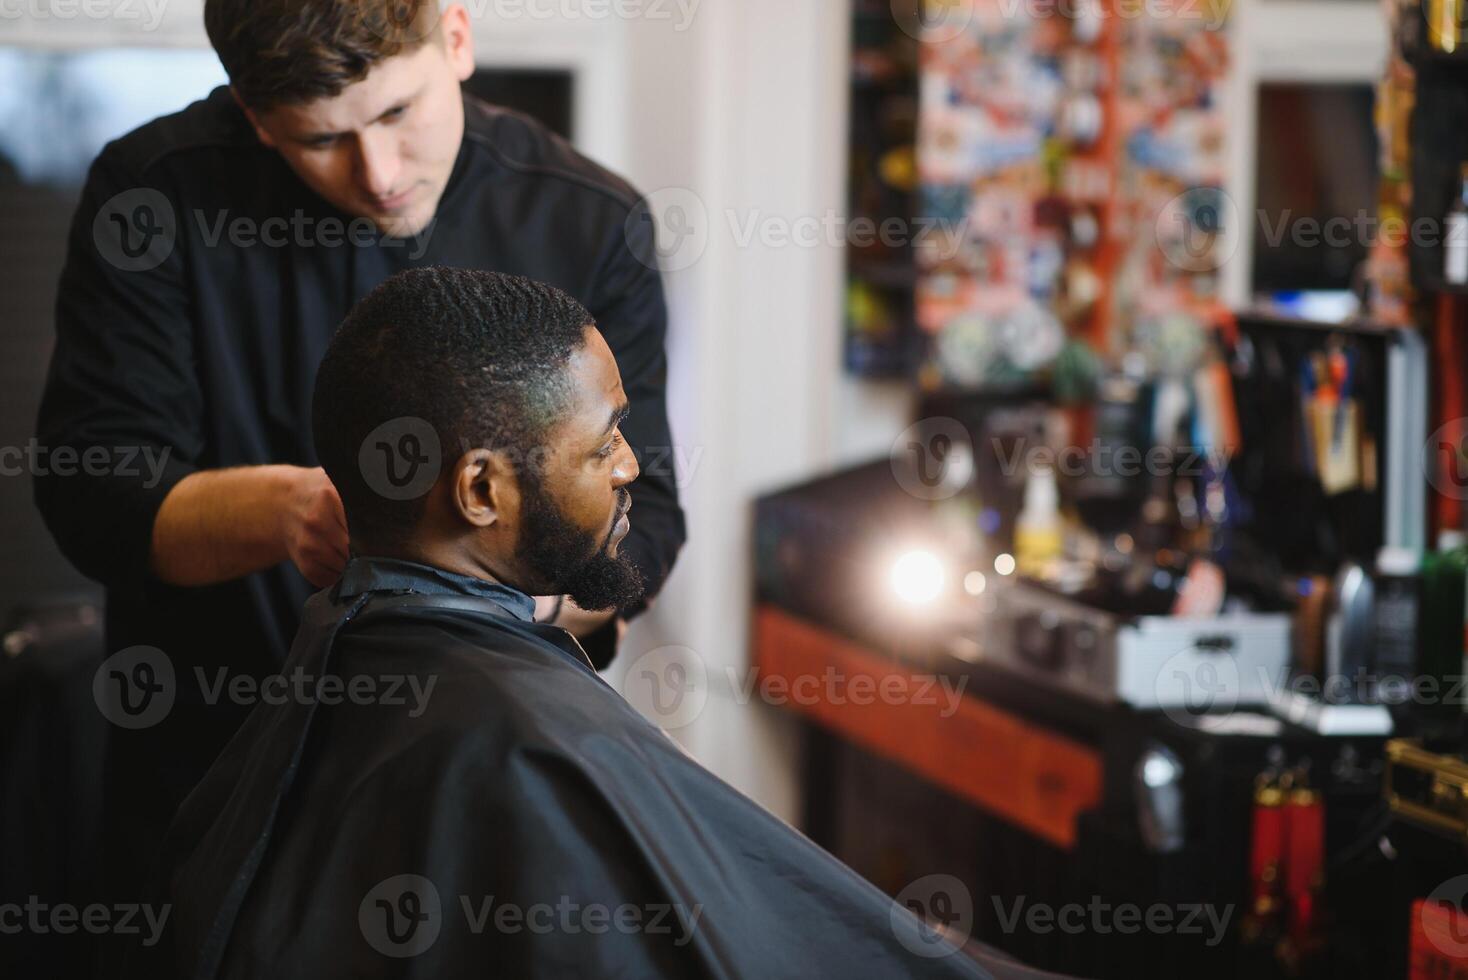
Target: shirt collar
<point>364,575</point>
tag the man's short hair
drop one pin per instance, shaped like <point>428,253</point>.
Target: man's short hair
<point>285,52</point>
<point>464,358</point>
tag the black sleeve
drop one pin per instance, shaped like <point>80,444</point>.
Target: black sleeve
<point>122,385</point>
<point>632,316</point>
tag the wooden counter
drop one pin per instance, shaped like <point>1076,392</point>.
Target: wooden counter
<point>1026,775</point>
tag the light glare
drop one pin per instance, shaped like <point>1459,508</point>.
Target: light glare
<point>917,577</point>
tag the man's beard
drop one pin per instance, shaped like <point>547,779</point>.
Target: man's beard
<point>571,561</point>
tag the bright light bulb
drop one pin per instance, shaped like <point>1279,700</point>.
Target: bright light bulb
<point>917,577</point>
<point>1004,564</point>
<point>974,583</point>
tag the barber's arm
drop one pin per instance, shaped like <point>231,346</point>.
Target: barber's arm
<point>630,311</point>
<point>123,388</point>
<point>221,524</point>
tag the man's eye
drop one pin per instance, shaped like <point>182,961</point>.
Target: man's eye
<point>320,143</point>
<point>393,114</point>
<point>606,451</point>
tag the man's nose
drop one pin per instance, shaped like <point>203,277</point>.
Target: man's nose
<point>377,163</point>
<point>626,470</point>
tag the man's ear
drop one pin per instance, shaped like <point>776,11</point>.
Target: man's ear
<point>483,485</point>
<point>254,118</point>
<point>457,39</point>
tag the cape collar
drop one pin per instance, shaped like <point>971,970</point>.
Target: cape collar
<point>364,576</point>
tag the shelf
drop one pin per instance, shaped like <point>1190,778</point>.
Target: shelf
<point>1435,284</point>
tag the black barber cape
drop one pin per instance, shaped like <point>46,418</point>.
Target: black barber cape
<point>522,820</point>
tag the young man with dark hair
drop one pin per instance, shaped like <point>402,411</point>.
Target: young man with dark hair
<point>212,255</point>
<point>520,819</point>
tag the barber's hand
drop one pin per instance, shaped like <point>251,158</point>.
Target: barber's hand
<point>315,528</point>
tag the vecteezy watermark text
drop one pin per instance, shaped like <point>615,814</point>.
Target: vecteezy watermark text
<point>402,458</point>
<point>671,684</point>
<point>683,227</point>
<point>679,12</point>
<point>404,915</point>
<point>1209,14</point>
<point>1199,230</point>
<point>567,917</point>
<point>138,229</point>
<point>63,919</point>
<point>150,12</point>
<point>300,687</point>
<point>1103,918</point>
<point>127,461</point>
<point>136,688</point>
<point>1106,460</point>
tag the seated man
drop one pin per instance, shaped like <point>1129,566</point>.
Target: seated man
<point>451,790</point>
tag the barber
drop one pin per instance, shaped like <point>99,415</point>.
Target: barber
<point>212,255</point>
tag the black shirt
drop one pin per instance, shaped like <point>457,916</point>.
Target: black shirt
<point>177,334</point>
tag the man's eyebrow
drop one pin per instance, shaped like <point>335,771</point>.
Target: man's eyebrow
<point>400,104</point>
<point>619,415</point>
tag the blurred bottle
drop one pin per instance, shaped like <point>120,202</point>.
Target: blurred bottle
<point>1455,235</point>
<point>1038,534</point>
<point>1444,578</point>
<point>1397,630</point>
<point>1445,24</point>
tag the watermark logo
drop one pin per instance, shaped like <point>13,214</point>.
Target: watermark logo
<point>135,231</point>
<point>135,688</point>
<point>933,459</point>
<point>669,685</point>
<point>680,226</point>
<point>1445,459</point>
<point>933,21</point>
<point>1200,680</point>
<point>1452,940</point>
<point>945,914</point>
<point>401,916</point>
<point>1198,230</point>
<point>400,458</point>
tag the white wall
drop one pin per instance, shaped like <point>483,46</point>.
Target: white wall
<point>748,111</point>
